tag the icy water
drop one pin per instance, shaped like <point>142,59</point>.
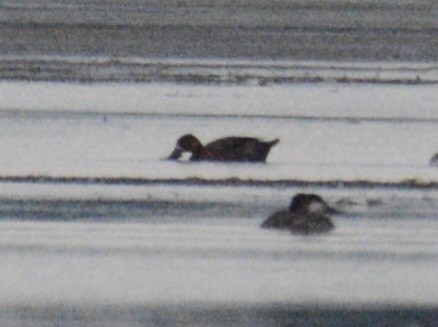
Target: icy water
<point>113,41</point>
<point>96,229</point>
<point>311,30</point>
<point>160,255</point>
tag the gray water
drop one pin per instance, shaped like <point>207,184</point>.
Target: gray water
<point>33,33</point>
<point>311,30</point>
<point>271,315</point>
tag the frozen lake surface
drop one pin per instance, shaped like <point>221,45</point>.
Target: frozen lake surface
<point>327,132</point>
<point>132,255</point>
<point>96,228</point>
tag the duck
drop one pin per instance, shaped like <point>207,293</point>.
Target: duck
<point>307,214</point>
<point>434,160</point>
<point>233,148</point>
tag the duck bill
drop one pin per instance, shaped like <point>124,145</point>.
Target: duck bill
<point>176,154</point>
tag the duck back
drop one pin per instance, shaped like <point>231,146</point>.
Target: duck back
<point>237,149</point>
<point>298,224</point>
<point>278,220</point>
<point>311,225</point>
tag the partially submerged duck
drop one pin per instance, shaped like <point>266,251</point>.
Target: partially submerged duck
<point>434,160</point>
<point>307,214</point>
<point>234,148</point>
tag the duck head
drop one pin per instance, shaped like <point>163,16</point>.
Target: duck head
<point>310,204</point>
<point>186,143</point>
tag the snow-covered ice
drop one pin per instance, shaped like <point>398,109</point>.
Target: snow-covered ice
<point>327,132</point>
<point>323,100</point>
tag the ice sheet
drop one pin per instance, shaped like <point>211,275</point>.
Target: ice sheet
<point>161,244</point>
<point>220,262</point>
<point>108,130</point>
<point>297,100</point>
<point>99,245</point>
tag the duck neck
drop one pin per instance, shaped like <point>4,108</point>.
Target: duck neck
<point>197,150</point>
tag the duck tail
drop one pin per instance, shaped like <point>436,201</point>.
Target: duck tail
<point>273,142</point>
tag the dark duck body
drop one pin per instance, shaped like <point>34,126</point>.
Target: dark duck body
<point>307,214</point>
<point>234,148</point>
<point>434,160</point>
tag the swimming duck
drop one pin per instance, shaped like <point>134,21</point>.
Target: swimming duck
<point>434,160</point>
<point>307,214</point>
<point>243,149</point>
